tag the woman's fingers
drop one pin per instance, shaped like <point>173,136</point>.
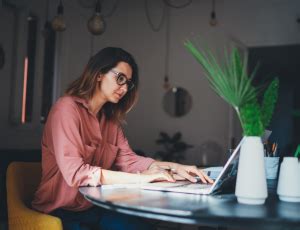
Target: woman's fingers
<point>185,174</point>
<point>178,177</point>
<point>180,172</point>
<point>186,171</point>
<point>202,175</point>
<point>211,181</point>
<point>168,176</point>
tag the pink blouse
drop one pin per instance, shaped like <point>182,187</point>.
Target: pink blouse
<point>75,148</point>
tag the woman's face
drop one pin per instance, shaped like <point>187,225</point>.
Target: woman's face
<point>109,88</point>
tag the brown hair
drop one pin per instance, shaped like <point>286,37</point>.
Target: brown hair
<point>85,86</point>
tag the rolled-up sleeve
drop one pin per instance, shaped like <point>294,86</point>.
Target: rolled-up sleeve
<point>127,160</point>
<point>63,131</point>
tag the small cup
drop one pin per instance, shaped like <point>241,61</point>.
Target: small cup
<point>288,188</point>
<point>271,167</point>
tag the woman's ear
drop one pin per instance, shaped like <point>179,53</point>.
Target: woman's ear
<point>99,78</point>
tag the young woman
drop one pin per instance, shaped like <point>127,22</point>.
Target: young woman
<point>83,145</point>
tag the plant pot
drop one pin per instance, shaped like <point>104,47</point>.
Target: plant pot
<point>251,184</point>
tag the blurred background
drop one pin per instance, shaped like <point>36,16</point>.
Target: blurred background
<point>44,45</point>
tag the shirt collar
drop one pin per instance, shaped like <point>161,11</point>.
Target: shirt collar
<point>82,101</point>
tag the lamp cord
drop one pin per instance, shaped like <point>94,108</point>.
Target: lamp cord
<point>47,10</point>
<point>166,3</point>
<point>152,26</point>
<point>115,6</point>
<point>167,43</point>
<point>109,14</point>
<point>213,5</point>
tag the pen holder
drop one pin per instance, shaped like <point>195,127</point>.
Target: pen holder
<point>288,188</point>
<point>271,167</point>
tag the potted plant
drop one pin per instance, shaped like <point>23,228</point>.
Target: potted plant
<point>174,147</point>
<point>231,82</point>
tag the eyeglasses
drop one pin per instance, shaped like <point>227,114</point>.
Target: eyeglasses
<point>122,80</point>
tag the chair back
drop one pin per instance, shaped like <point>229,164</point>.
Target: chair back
<point>22,181</point>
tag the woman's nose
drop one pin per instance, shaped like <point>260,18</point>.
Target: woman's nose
<point>125,88</point>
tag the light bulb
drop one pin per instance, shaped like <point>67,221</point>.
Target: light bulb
<point>166,84</point>
<point>213,20</point>
<point>96,24</point>
<point>58,23</point>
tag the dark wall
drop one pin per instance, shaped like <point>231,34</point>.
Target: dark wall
<point>283,62</point>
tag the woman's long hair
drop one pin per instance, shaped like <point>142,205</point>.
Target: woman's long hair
<point>85,86</point>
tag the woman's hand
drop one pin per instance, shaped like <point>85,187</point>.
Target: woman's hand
<point>189,172</point>
<point>156,173</point>
<point>154,168</point>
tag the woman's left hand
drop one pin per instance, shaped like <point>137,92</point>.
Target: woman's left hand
<point>189,172</point>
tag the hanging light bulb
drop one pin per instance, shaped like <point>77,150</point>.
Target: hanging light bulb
<point>58,23</point>
<point>166,84</point>
<point>213,19</point>
<point>96,24</point>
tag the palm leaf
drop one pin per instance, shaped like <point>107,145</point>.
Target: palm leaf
<point>269,101</point>
<point>232,83</point>
<point>230,80</point>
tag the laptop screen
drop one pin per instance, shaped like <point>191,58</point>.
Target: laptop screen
<point>227,177</point>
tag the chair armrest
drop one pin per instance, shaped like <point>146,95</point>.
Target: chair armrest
<point>33,220</point>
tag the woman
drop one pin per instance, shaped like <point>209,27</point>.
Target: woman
<point>83,145</point>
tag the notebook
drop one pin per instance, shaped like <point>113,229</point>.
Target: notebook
<point>223,181</point>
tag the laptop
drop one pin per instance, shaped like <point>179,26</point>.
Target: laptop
<point>224,182</point>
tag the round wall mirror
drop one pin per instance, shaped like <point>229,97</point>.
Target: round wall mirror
<point>177,102</point>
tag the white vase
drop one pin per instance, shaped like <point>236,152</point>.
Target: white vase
<point>288,188</point>
<point>251,184</point>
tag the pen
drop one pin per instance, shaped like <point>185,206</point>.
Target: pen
<point>273,147</point>
<point>275,150</point>
<point>269,149</point>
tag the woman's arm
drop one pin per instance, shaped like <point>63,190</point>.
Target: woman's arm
<point>128,161</point>
<point>114,177</point>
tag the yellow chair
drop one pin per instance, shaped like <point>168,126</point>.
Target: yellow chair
<point>22,179</point>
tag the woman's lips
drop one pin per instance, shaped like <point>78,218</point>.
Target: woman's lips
<point>119,95</point>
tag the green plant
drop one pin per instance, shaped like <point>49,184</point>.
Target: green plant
<point>297,152</point>
<point>174,147</point>
<point>231,82</point>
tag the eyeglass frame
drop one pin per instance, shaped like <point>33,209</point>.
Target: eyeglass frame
<point>130,84</point>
